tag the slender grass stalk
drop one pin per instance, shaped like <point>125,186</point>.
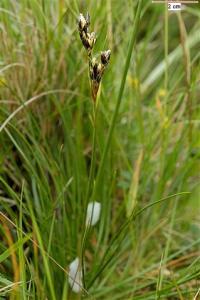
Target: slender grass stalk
<point>139,108</point>
<point>96,70</point>
<point>43,252</point>
<point>119,99</point>
<point>89,186</point>
<point>16,268</point>
<point>132,218</point>
<point>166,43</point>
<point>187,67</point>
<point>166,250</point>
<point>50,242</point>
<point>93,157</point>
<point>164,121</point>
<point>21,251</point>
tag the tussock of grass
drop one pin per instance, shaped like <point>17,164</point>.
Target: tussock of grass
<point>137,154</point>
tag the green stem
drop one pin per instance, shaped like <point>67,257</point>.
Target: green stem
<point>93,158</point>
<point>115,242</point>
<point>119,99</point>
<point>90,182</point>
<point>139,107</point>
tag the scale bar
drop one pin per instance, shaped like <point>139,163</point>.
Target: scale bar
<point>174,1</point>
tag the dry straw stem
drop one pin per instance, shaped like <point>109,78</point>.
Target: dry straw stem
<point>96,68</point>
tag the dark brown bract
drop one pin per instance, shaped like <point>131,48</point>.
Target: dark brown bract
<point>105,57</point>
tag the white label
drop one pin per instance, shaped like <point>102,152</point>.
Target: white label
<point>174,6</point>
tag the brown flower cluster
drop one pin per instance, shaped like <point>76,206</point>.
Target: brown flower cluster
<point>88,39</point>
<point>96,68</point>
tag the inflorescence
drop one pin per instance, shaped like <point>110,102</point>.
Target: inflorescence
<point>96,68</point>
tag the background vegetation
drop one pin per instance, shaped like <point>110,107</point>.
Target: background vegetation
<point>46,146</point>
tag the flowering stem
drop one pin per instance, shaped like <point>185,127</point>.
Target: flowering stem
<point>96,71</point>
<point>119,99</point>
<point>93,157</point>
<point>90,183</point>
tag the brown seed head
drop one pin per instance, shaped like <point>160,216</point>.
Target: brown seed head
<point>96,68</point>
<point>82,23</point>
<point>105,57</point>
<point>88,39</point>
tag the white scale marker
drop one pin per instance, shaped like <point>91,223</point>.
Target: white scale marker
<point>174,6</point>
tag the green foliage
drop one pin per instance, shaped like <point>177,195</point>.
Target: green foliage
<point>144,144</point>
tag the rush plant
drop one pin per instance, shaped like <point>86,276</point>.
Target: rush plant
<point>99,152</point>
